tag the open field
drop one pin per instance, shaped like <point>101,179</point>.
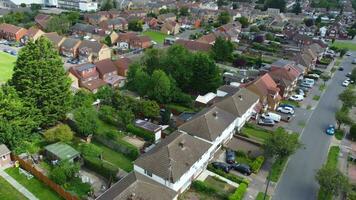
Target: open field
<point>345,44</point>
<point>6,66</point>
<point>155,36</point>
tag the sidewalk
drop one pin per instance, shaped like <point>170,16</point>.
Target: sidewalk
<point>17,185</point>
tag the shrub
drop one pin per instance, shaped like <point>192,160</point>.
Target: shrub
<point>90,150</point>
<point>108,114</point>
<point>257,164</point>
<point>105,169</point>
<point>231,177</point>
<point>141,133</point>
<point>239,192</point>
<point>64,172</point>
<point>61,133</point>
<point>200,186</point>
<point>353,132</point>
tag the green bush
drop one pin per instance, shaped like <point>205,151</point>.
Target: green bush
<point>148,136</point>
<point>257,164</point>
<point>261,195</point>
<point>239,192</point>
<point>120,146</point>
<point>132,151</point>
<point>200,186</point>
<point>90,150</point>
<point>108,114</point>
<point>231,177</point>
<point>104,169</point>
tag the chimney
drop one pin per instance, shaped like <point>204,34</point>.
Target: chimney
<point>181,144</point>
<point>215,114</point>
<point>240,97</point>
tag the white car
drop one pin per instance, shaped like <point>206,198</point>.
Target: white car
<point>285,110</point>
<point>314,75</point>
<point>346,83</point>
<point>349,54</point>
<point>296,97</point>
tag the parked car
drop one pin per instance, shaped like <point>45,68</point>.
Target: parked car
<point>270,115</point>
<point>354,61</point>
<point>285,110</point>
<point>305,85</point>
<point>266,122</point>
<point>296,97</point>
<point>330,130</point>
<point>242,168</point>
<point>309,81</point>
<point>348,74</point>
<point>230,156</point>
<point>346,83</point>
<point>305,89</point>
<point>341,68</point>
<point>348,53</point>
<point>300,92</point>
<point>14,53</point>
<point>286,105</point>
<point>223,166</point>
<point>314,75</point>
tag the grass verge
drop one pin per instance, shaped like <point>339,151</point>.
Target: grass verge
<point>316,98</point>
<point>260,196</point>
<point>349,45</point>
<point>256,133</point>
<point>277,169</point>
<point>339,134</point>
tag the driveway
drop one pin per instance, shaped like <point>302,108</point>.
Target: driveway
<point>298,181</point>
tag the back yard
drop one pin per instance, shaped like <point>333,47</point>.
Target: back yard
<point>6,66</point>
<point>7,192</point>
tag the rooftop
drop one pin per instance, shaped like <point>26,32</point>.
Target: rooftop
<point>62,151</point>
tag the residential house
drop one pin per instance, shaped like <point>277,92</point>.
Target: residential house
<point>5,156</point>
<point>56,39</point>
<point>337,31</point>
<point>138,186</point>
<point>267,90</point>
<point>32,34</point>
<point>80,29</point>
<point>175,162</point>
<point>166,17</point>
<point>118,23</point>
<point>88,77</point>
<point>232,29</point>
<point>42,21</point>
<point>286,79</point>
<point>123,41</point>
<point>11,32</point>
<point>122,65</point>
<point>92,51</point>
<point>108,73</point>
<point>302,40</point>
<point>95,18</point>
<point>170,28</point>
<point>69,47</point>
<point>211,37</point>
<point>155,129</point>
<point>305,60</point>
<point>194,45</point>
<point>140,42</point>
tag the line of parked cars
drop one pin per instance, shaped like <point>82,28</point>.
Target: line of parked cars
<point>231,164</point>
<point>9,51</point>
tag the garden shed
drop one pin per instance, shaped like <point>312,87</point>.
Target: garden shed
<point>61,151</point>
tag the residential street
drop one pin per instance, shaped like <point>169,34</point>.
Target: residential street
<point>298,181</point>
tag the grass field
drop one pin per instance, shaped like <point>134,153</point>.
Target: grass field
<point>257,134</point>
<point>6,66</point>
<point>347,44</point>
<point>7,192</point>
<point>36,187</point>
<point>156,36</point>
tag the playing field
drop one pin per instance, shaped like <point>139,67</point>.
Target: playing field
<point>347,44</point>
<point>7,62</point>
<point>156,36</point>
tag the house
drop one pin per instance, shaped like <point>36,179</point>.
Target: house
<point>226,90</point>
<point>232,29</point>
<point>205,100</point>
<point>140,42</point>
<point>60,151</point>
<point>175,162</point>
<point>302,40</point>
<point>194,45</point>
<point>108,73</point>
<point>286,79</point>
<point>92,51</point>
<point>211,37</point>
<point>122,65</point>
<point>95,18</point>
<point>118,23</point>
<point>123,41</point>
<point>32,34</point>
<point>170,28</point>
<point>166,17</point>
<point>83,29</point>
<point>88,77</point>
<point>42,21</point>
<point>69,47</point>
<point>56,39</point>
<point>155,129</point>
<point>267,90</point>
<point>305,60</point>
<point>11,32</point>
<point>138,186</point>
<point>5,156</point>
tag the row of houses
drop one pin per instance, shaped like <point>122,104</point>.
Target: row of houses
<point>172,165</point>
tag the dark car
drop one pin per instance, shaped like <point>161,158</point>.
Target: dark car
<point>242,168</point>
<point>266,122</point>
<point>223,166</point>
<point>230,156</point>
<point>341,68</point>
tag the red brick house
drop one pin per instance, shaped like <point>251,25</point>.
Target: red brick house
<point>194,45</point>
<point>32,34</point>
<point>286,79</point>
<point>140,42</point>
<point>88,77</point>
<point>5,158</point>
<point>108,73</point>
<point>42,21</point>
<point>122,66</point>
<point>11,32</point>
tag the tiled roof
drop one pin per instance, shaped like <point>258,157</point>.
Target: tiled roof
<point>194,45</point>
<point>9,28</point>
<point>105,66</point>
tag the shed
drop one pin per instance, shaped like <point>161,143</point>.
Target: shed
<point>61,151</point>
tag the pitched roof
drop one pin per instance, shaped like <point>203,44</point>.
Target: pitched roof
<point>229,89</point>
<point>238,103</point>
<point>69,43</point>
<point>135,186</point>
<point>173,156</point>
<point>105,66</point>
<point>208,123</point>
<point>282,63</point>
<point>54,38</point>
<point>43,20</point>
<point>93,84</point>
<point>87,28</point>
<point>62,150</point>
<point>10,28</point>
<point>194,45</point>
<point>4,150</point>
<point>33,31</point>
<point>94,46</point>
<point>265,84</point>
<point>123,63</point>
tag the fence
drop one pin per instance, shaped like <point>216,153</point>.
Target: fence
<point>28,167</point>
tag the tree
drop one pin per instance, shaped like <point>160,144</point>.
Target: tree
<point>224,18</point>
<point>105,94</point>
<point>160,87</point>
<point>82,98</point>
<point>64,172</point>
<point>137,79</point>
<point>73,17</point>
<point>23,5</point>
<point>86,122</point>
<point>353,75</point>
<point>222,49</point>
<point>125,117</point>
<point>90,150</point>
<point>297,9</point>
<point>281,144</point>
<point>107,5</point>
<point>61,133</point>
<point>151,59</point>
<point>206,74</point>
<point>149,108</point>
<point>184,11</point>
<point>59,24</point>
<point>331,180</point>
<point>279,4</point>
<point>342,117</point>
<point>166,116</point>
<point>244,21</point>
<point>254,28</point>
<point>41,81</point>
<point>107,40</point>
<point>325,77</point>
<point>309,22</point>
<point>348,97</point>
<point>135,25</point>
<point>343,51</point>
<point>269,36</point>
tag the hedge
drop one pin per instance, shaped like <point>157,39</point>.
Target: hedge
<point>120,146</point>
<point>104,169</point>
<point>200,186</point>
<point>257,164</point>
<point>148,136</point>
<point>231,177</point>
<point>239,192</point>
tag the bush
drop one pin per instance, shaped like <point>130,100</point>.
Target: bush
<point>61,133</point>
<point>108,114</point>
<point>239,192</point>
<point>200,186</point>
<point>148,136</point>
<point>104,169</point>
<point>257,164</point>
<point>231,177</point>
<point>90,150</point>
<point>120,146</point>
<point>353,132</point>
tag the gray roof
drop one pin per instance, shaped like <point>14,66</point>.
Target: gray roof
<point>147,125</point>
<point>173,156</point>
<point>238,103</point>
<point>4,150</point>
<point>93,46</point>
<point>83,28</point>
<point>208,123</point>
<point>84,67</point>
<point>229,89</point>
<point>69,43</point>
<point>137,187</point>
<point>282,63</point>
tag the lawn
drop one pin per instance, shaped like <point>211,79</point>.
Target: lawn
<point>256,133</point>
<point>349,45</point>
<point>277,168</point>
<point>115,158</point>
<point>289,102</point>
<point>35,186</point>
<point>6,66</point>
<point>339,134</point>
<point>156,36</point>
<point>7,192</point>
<point>316,98</point>
<point>261,195</point>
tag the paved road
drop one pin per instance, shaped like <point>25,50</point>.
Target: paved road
<point>298,182</point>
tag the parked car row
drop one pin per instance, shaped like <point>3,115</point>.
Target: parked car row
<point>231,164</point>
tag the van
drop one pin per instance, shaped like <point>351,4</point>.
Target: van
<point>270,115</point>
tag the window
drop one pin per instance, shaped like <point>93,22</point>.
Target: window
<point>3,157</point>
<point>148,173</point>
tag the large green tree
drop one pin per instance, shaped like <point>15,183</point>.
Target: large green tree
<point>224,18</point>
<point>342,117</point>
<point>332,181</point>
<point>222,49</point>
<point>348,97</point>
<point>86,121</point>
<point>281,144</point>
<point>59,24</point>
<point>160,87</point>
<point>279,4</point>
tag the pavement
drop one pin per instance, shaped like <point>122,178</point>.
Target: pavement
<point>17,185</point>
<point>298,180</point>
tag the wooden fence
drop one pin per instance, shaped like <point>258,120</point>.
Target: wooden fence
<point>28,167</point>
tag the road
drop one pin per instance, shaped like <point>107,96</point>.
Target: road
<point>298,181</point>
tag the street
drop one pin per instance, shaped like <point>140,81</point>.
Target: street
<point>298,181</point>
